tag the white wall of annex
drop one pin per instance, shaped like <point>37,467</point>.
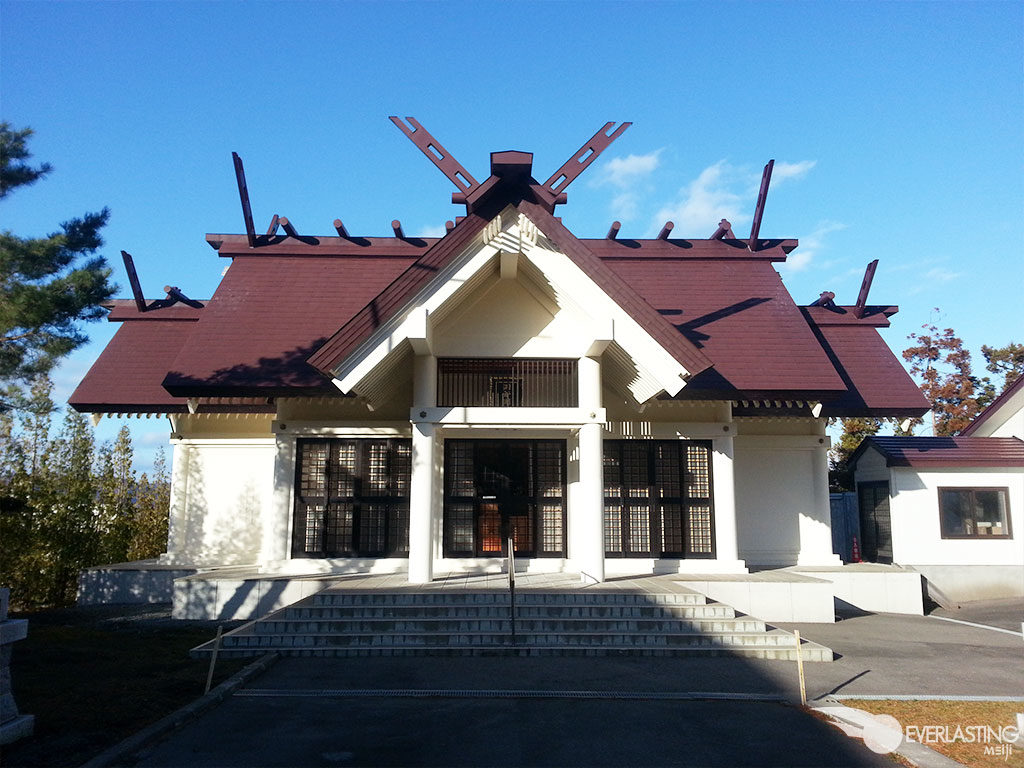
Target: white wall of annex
<point>914,511</point>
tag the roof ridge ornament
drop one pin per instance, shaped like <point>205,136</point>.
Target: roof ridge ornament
<point>174,294</point>
<point>436,153</point>
<point>865,288</point>
<point>584,156</point>
<point>762,197</point>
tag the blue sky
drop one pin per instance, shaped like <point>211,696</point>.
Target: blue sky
<point>897,129</point>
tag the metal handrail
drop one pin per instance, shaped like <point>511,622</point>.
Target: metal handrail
<point>512,588</point>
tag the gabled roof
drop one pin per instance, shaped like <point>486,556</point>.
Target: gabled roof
<point>291,310</point>
<point>397,296</point>
<point>945,451</point>
<point>995,408</point>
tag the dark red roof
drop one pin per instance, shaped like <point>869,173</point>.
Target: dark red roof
<point>289,310</point>
<point>268,315</point>
<point>876,384</point>
<point>946,451</point>
<point>985,415</point>
<point>378,308</point>
<point>127,375</point>
<point>735,309</point>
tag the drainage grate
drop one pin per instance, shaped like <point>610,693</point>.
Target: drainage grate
<point>412,693</point>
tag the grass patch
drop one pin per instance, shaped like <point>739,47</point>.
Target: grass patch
<point>94,676</point>
<point>994,714</point>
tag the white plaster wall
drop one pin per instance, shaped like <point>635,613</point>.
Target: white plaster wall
<point>509,320</point>
<point>914,509</point>
<point>223,492</point>
<point>774,486</point>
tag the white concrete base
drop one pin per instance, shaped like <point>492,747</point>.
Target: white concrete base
<point>796,599</point>
<point>221,598</point>
<point>342,566</point>
<point>142,581</point>
<point>879,590</point>
<point>500,565</point>
<point>819,559</point>
<point>630,566</point>
<point>963,583</point>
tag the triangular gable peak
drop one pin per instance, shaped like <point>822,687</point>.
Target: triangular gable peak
<point>588,311</point>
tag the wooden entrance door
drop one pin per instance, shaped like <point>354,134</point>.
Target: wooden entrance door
<point>500,488</point>
<point>875,525</point>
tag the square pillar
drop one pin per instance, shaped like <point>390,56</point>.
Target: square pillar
<point>816,526</point>
<point>588,500</point>
<point>422,486</point>
<point>277,520</point>
<point>723,478</point>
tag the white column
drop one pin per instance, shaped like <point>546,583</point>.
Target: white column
<point>816,526</point>
<point>277,526</point>
<point>424,381</point>
<point>421,504</point>
<point>588,498</point>
<point>589,502</point>
<point>722,472</point>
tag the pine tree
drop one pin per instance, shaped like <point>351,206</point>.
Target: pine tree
<point>72,539</point>
<point>117,490</point>
<point>48,286</point>
<point>154,501</point>
<point>25,495</point>
<point>1007,362</point>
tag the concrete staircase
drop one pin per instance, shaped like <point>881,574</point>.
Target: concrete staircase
<point>344,622</point>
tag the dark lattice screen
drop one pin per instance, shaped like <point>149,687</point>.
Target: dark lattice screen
<point>352,498</point>
<point>657,498</point>
<point>535,509</point>
<point>506,383</point>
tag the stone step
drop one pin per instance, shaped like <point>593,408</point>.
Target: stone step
<point>809,654</point>
<point>380,625</point>
<point>341,598</point>
<point>304,611</point>
<point>498,639</point>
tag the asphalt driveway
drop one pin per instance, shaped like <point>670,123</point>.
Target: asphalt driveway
<point>590,711</point>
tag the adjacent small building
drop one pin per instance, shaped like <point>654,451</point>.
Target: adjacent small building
<point>612,405</point>
<point>950,507</point>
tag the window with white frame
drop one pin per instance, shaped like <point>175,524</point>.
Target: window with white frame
<point>974,513</point>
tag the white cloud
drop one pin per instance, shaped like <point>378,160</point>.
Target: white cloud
<point>628,175</point>
<point>934,276</point>
<point>624,172</point>
<point>783,170</point>
<point>810,245</point>
<point>433,230</point>
<point>722,191</point>
<point>705,201</point>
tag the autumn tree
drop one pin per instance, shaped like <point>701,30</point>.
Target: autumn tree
<point>48,285</point>
<point>942,366</point>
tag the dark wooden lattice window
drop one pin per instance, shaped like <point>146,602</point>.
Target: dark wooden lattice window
<point>352,498</point>
<point>506,383</point>
<point>657,498</point>
<point>496,488</point>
